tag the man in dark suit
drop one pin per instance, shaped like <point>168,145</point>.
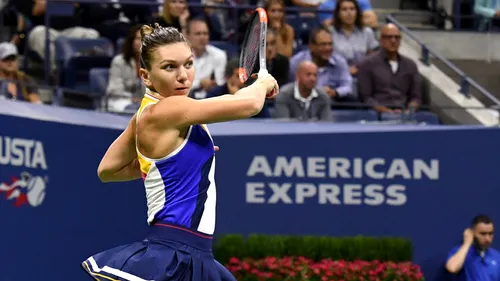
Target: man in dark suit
<point>232,85</point>
<point>277,64</point>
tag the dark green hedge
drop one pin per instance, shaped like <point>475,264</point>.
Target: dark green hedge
<point>316,248</point>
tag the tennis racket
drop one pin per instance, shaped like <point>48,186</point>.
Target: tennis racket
<point>253,49</point>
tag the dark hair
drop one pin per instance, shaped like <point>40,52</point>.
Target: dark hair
<point>231,66</point>
<point>481,218</point>
<point>128,44</point>
<point>157,36</point>
<point>315,31</point>
<point>337,23</point>
<point>193,20</point>
<point>283,32</point>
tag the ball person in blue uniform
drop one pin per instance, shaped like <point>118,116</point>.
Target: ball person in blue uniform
<point>475,259</point>
<point>168,144</point>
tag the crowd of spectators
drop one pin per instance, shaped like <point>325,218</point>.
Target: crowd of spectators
<point>341,61</point>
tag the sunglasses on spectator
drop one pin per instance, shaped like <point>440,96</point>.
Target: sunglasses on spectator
<point>397,37</point>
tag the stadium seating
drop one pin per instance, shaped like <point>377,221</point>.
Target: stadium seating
<point>98,80</point>
<point>426,117</point>
<point>75,57</point>
<point>231,50</point>
<point>344,115</point>
<point>119,45</point>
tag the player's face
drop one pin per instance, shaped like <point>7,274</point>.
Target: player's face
<point>172,71</point>
<point>483,233</point>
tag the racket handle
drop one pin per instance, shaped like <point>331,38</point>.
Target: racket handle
<point>262,72</point>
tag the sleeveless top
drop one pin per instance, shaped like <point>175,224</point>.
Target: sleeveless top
<point>180,187</point>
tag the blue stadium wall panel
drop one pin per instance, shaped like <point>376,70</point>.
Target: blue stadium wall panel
<point>424,183</point>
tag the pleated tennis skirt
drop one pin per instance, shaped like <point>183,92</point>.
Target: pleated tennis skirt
<point>168,253</point>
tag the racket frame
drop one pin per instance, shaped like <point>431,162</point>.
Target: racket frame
<point>242,73</point>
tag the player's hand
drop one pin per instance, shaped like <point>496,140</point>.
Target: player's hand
<point>468,236</point>
<point>269,82</point>
<point>216,148</point>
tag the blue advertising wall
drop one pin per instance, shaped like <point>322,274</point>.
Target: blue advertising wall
<point>424,183</point>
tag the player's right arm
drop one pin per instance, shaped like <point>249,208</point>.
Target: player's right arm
<point>120,161</point>
<point>180,111</point>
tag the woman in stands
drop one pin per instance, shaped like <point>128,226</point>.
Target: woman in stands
<point>125,85</point>
<point>167,143</point>
<point>175,14</point>
<point>15,84</point>
<point>350,38</point>
<point>284,41</point>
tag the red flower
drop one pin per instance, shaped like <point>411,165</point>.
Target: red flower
<point>301,268</point>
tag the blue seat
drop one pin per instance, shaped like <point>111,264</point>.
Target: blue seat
<point>345,115</point>
<point>119,45</point>
<point>231,50</point>
<point>426,117</point>
<point>98,82</point>
<point>75,57</point>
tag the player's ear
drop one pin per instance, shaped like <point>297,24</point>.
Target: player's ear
<point>145,77</point>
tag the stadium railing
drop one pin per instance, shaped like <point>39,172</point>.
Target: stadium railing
<point>427,52</point>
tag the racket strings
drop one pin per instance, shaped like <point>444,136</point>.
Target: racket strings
<point>251,57</point>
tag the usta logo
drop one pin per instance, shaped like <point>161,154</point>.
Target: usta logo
<point>25,190</point>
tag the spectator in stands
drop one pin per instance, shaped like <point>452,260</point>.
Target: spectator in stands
<point>350,38</point>
<point>387,80</point>
<point>474,259</point>
<point>302,100</point>
<point>233,84</point>
<point>175,14</point>
<point>217,20</point>
<point>210,61</point>
<point>276,21</point>
<point>333,75</point>
<point>59,26</point>
<point>125,86</point>
<point>489,10</point>
<point>369,16</point>
<point>20,86</point>
<point>277,64</point>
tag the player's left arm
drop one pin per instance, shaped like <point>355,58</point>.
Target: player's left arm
<point>120,161</point>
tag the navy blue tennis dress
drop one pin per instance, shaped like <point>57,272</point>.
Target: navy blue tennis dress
<point>180,191</point>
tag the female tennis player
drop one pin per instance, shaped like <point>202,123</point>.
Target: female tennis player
<point>168,146</point>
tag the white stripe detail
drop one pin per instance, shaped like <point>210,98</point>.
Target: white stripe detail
<point>207,222</point>
<point>122,274</point>
<point>155,191</point>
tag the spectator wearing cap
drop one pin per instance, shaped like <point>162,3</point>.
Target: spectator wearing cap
<point>15,84</point>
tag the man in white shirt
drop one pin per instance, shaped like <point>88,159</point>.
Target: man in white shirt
<point>210,61</point>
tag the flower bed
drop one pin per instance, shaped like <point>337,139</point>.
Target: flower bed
<point>304,269</point>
